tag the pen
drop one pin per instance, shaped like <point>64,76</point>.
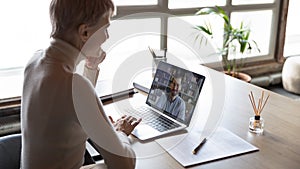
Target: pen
<point>199,146</point>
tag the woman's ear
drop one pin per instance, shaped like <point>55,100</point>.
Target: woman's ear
<point>83,32</point>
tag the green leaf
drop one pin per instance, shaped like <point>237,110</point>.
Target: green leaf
<point>205,29</point>
<point>223,15</point>
<point>256,45</point>
<point>205,11</point>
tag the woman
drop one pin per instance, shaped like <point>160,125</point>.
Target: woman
<point>53,135</point>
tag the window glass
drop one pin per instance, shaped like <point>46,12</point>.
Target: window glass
<point>292,39</point>
<point>243,2</point>
<point>174,4</point>
<point>260,25</point>
<point>134,2</point>
<point>25,28</point>
<point>185,38</point>
<point>11,82</point>
<point>132,40</point>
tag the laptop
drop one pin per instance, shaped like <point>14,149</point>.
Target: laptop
<point>170,103</point>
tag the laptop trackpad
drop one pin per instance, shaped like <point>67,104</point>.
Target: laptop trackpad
<point>143,132</point>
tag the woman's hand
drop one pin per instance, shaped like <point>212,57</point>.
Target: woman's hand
<point>125,124</point>
<point>93,62</point>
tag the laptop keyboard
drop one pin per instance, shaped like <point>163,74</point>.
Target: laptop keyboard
<point>152,118</point>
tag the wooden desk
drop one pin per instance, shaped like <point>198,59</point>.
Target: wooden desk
<point>279,146</point>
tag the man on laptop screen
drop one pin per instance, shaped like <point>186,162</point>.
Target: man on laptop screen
<point>170,101</point>
<point>175,91</point>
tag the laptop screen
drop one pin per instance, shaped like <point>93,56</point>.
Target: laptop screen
<point>175,91</point>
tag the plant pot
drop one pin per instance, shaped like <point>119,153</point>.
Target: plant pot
<point>239,75</point>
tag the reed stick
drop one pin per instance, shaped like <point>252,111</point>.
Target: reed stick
<point>260,104</point>
<point>264,103</point>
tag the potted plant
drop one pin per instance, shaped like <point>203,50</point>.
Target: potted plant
<point>235,39</point>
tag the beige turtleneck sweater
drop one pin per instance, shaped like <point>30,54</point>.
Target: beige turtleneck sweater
<point>56,110</point>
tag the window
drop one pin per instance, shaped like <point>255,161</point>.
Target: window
<point>131,41</point>
<point>188,43</point>
<point>260,23</point>
<point>26,28</point>
<point>11,83</point>
<point>260,15</point>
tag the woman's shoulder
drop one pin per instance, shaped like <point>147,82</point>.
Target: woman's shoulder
<point>33,60</point>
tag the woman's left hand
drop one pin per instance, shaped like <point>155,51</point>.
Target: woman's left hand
<point>125,124</point>
<point>93,62</point>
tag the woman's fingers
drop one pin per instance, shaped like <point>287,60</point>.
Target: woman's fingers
<point>111,119</point>
<point>136,122</point>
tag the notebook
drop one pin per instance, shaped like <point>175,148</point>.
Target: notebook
<point>170,104</point>
<point>221,144</point>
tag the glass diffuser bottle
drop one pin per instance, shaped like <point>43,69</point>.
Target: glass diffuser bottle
<point>256,124</point>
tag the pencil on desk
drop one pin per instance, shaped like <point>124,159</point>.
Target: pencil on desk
<point>199,146</point>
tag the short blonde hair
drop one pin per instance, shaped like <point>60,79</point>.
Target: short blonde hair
<point>68,15</point>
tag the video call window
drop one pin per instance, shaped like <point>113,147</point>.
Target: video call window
<point>174,82</point>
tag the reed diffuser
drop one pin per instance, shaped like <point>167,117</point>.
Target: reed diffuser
<point>256,123</point>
